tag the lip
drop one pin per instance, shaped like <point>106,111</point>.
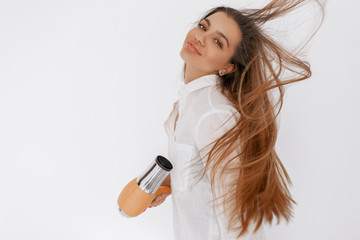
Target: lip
<point>194,47</point>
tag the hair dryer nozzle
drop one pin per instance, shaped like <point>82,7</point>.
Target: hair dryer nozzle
<point>164,163</point>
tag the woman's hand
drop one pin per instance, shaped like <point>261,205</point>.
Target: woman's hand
<point>158,200</point>
<point>161,198</point>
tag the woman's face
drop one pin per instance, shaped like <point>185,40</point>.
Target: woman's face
<point>215,38</point>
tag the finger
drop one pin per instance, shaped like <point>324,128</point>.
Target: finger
<point>158,201</point>
<point>158,196</point>
<point>154,202</point>
<point>161,200</point>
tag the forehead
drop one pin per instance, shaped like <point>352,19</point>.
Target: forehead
<point>220,21</point>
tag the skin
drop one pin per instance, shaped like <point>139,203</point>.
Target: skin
<point>215,56</point>
<point>161,198</point>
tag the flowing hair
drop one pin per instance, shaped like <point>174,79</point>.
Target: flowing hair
<point>261,190</point>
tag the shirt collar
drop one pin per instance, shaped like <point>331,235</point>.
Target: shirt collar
<point>200,82</point>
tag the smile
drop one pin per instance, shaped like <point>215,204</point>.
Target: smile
<point>192,48</point>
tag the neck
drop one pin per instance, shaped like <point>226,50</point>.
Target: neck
<point>191,74</point>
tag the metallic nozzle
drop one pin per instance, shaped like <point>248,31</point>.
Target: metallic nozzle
<point>123,214</point>
<point>150,179</point>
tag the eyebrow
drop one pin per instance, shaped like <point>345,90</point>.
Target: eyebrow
<point>220,33</point>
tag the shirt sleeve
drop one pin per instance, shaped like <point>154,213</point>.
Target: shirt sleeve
<point>209,128</point>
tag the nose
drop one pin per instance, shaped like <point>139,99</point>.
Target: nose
<point>199,39</point>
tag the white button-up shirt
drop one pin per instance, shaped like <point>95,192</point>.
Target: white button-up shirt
<point>202,110</point>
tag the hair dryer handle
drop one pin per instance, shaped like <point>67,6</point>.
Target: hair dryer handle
<point>163,189</point>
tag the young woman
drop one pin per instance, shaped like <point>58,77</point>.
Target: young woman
<point>224,123</point>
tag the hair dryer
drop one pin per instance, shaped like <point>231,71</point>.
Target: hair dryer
<point>138,194</point>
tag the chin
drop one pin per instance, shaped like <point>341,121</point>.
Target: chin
<point>184,56</point>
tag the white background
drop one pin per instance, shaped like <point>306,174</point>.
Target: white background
<point>85,87</point>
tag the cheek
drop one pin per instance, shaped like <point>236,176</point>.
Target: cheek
<point>215,58</point>
<point>190,35</point>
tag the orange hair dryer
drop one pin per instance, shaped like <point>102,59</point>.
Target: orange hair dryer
<point>138,194</point>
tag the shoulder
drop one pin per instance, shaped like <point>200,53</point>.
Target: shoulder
<point>213,111</point>
<point>210,100</point>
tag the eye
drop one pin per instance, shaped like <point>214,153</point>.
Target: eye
<point>220,44</point>
<point>203,28</point>
<point>200,25</point>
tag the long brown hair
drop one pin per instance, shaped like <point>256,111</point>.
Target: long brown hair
<point>261,190</point>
